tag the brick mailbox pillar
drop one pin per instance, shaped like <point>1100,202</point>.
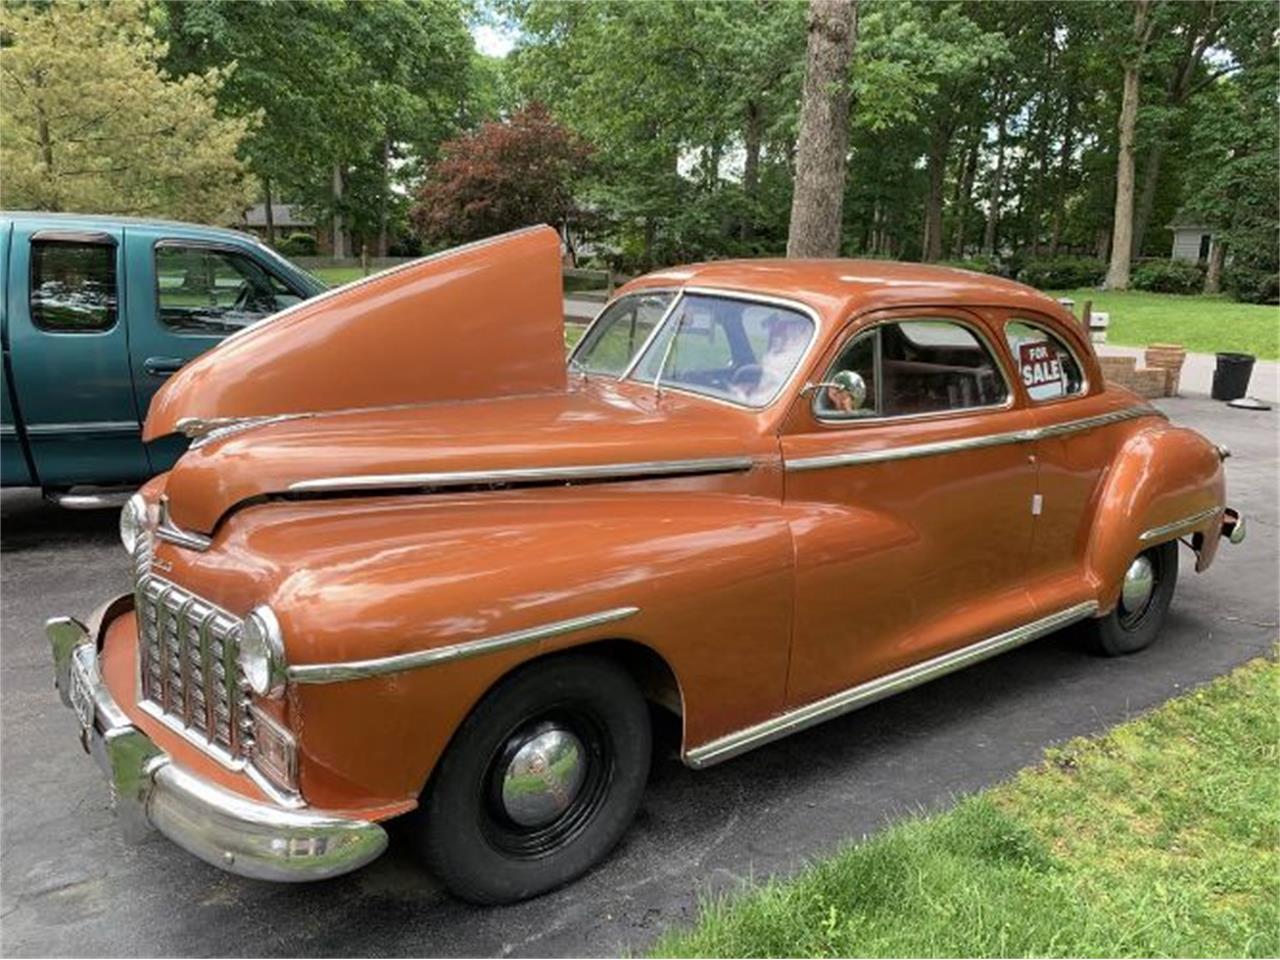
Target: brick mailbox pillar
<point>1170,357</point>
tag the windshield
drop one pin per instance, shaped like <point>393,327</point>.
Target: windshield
<point>619,332</point>
<point>735,350</point>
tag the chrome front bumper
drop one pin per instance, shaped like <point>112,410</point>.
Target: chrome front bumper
<point>225,829</point>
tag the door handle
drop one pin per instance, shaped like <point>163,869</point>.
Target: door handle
<point>162,366</point>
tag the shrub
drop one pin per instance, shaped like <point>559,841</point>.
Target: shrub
<point>1250,285</point>
<point>1169,276</point>
<point>1063,273</point>
<point>297,245</point>
<point>979,264</point>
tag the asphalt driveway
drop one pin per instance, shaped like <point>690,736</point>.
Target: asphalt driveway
<point>69,884</point>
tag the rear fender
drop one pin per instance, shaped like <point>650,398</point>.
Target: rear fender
<point>1165,483</point>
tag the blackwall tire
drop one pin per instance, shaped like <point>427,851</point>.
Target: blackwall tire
<point>509,812</point>
<point>1124,631</point>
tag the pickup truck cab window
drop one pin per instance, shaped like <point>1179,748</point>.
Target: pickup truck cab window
<point>623,328</point>
<point>741,351</point>
<point>203,289</point>
<point>909,368</point>
<point>73,286</point>
<point>1047,367</point>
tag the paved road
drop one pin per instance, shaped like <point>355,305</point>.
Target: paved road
<point>71,885</point>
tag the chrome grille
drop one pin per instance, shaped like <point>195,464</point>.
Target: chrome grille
<point>187,667</point>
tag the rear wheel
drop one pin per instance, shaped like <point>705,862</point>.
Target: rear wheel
<point>540,782</point>
<point>1145,595</point>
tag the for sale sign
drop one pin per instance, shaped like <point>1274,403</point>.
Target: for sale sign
<point>1041,368</point>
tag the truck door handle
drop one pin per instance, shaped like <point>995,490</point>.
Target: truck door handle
<point>162,366</point>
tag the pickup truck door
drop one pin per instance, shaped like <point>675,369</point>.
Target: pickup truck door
<point>69,355</point>
<point>186,294</point>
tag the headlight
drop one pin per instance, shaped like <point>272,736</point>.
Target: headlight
<point>133,521</point>
<point>261,653</point>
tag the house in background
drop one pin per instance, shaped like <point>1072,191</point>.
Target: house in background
<point>1192,241</point>
<point>288,219</point>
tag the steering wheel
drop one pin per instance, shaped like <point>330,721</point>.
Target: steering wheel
<point>746,377</point>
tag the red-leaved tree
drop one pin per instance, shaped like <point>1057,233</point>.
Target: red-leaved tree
<point>499,177</point>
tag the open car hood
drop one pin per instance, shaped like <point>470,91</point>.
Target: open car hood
<point>483,320</point>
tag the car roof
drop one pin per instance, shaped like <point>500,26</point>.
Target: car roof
<point>836,289</point>
<point>110,220</point>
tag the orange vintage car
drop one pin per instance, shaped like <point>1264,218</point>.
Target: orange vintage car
<point>412,564</point>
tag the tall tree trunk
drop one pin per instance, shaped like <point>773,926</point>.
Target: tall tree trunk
<point>339,240</point>
<point>964,199</point>
<point>1122,220</point>
<point>817,204</point>
<point>752,138</point>
<point>383,241</point>
<point>997,187</point>
<point>270,213</point>
<point>1213,273</point>
<point>1064,172</point>
<point>931,244</point>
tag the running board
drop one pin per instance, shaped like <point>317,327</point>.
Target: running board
<point>866,693</point>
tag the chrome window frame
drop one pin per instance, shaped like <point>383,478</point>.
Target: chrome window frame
<point>970,325</point>
<point>745,296</point>
<point>1043,327</point>
<point>573,354</point>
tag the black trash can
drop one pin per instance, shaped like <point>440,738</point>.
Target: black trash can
<point>1231,376</point>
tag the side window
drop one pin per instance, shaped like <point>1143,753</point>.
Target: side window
<point>909,368</point>
<point>1047,368</point>
<point>73,286</point>
<point>623,329</point>
<point>206,290</point>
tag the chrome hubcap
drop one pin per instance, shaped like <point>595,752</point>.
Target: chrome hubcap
<point>1139,582</point>
<point>544,776</point>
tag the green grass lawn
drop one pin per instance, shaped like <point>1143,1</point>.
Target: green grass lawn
<point>336,276</point>
<point>1201,324</point>
<point>1161,838</point>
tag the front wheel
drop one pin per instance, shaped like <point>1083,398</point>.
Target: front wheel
<point>540,781</point>
<point>1144,601</point>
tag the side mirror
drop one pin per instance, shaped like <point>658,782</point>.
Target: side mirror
<point>848,383</point>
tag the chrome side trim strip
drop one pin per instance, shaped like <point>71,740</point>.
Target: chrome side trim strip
<point>8,430</point>
<point>1155,533</point>
<point>865,693</point>
<point>468,478</point>
<point>827,461</point>
<point>359,669</point>
<point>90,501</point>
<point>88,426</point>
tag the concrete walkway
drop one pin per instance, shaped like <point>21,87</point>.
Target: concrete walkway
<point>1197,372</point>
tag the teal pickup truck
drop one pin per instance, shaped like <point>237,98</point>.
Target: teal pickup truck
<point>96,312</point>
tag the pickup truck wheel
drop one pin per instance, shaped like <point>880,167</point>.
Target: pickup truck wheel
<point>540,781</point>
<point>1144,600</point>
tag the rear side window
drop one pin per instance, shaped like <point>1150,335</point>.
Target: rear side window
<point>213,291</point>
<point>1047,368</point>
<point>73,286</point>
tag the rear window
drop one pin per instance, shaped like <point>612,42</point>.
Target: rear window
<point>73,286</point>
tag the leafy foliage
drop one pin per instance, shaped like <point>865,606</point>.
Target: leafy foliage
<point>1058,273</point>
<point>505,175</point>
<point>1169,276</point>
<point>90,122</point>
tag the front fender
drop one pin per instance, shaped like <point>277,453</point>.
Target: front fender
<point>1165,482</point>
<point>708,571</point>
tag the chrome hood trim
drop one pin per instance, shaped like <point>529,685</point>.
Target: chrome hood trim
<point>524,475</point>
<point>202,431</point>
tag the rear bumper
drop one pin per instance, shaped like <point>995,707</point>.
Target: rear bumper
<point>225,829</point>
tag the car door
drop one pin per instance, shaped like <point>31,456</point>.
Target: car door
<point>69,354</point>
<point>1073,449</point>
<point>912,510</point>
<point>186,295</point>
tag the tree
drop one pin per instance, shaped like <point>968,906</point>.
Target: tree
<point>503,176</point>
<point>823,143</point>
<point>1122,227</point>
<point>89,122</point>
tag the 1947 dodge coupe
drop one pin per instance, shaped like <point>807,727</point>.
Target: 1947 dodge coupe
<point>413,564</point>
